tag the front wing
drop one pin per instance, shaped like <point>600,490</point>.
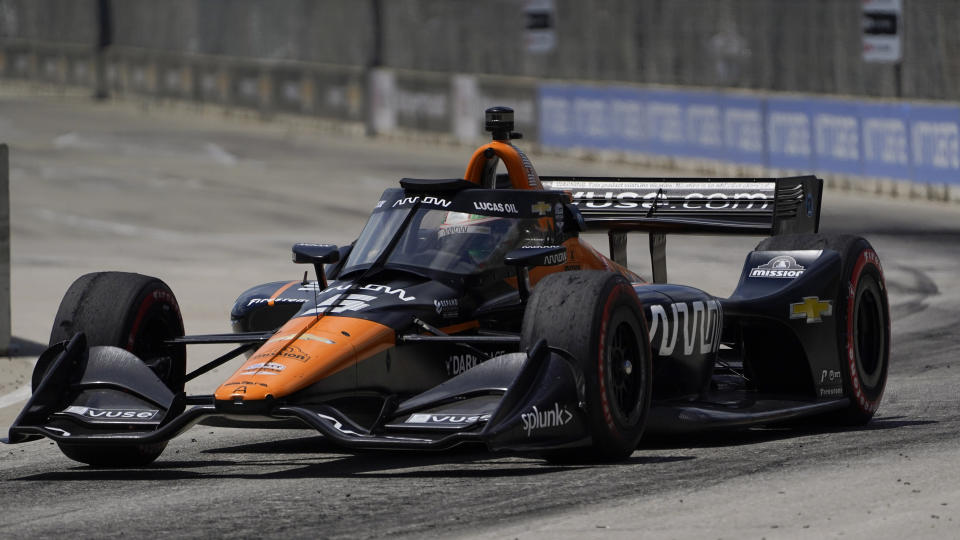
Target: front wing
<point>106,396</point>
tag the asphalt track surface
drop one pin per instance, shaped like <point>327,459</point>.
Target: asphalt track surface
<point>211,204</point>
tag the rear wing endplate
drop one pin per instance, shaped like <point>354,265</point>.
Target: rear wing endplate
<point>660,206</point>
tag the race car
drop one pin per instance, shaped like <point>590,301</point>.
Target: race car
<point>470,310</point>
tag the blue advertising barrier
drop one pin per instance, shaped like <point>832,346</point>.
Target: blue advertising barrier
<point>743,129</point>
<point>555,111</point>
<point>591,117</point>
<point>703,125</point>
<point>935,143</point>
<point>628,119</point>
<point>836,136</point>
<point>789,134</point>
<point>664,120</point>
<point>918,142</point>
<point>884,130</point>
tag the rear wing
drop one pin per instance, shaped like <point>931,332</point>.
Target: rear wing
<point>660,206</point>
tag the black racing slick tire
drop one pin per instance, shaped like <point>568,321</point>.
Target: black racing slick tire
<point>863,319</point>
<point>133,312</point>
<point>597,318</point>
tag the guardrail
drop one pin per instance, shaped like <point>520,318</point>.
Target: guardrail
<point>910,148</point>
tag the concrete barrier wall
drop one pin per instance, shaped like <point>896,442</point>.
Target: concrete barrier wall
<point>892,146</point>
<point>780,45</point>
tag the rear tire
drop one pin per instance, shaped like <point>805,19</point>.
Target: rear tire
<point>133,312</point>
<point>863,319</point>
<point>597,318</point>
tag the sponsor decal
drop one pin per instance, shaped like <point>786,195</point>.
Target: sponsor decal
<point>781,266</point>
<point>831,392</point>
<point>698,323</point>
<point>307,337</point>
<point>246,383</point>
<point>398,292</point>
<point>291,352</point>
<point>356,301</point>
<point>271,366</point>
<point>811,309</point>
<point>112,414</point>
<point>435,201</point>
<point>829,376</point>
<point>486,206</point>
<point>446,419</point>
<point>459,363</point>
<point>541,208</point>
<point>462,229</point>
<point>528,167</point>
<point>350,302</point>
<point>448,308</point>
<point>550,418</point>
<point>668,195</point>
<point>556,258</point>
<point>255,301</point>
<point>380,204</point>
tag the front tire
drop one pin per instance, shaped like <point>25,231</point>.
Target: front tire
<point>863,318</point>
<point>597,318</point>
<point>133,312</point>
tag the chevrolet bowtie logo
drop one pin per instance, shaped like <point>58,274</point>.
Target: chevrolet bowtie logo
<point>812,309</point>
<point>541,208</point>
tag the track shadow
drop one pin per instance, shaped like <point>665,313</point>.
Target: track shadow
<point>25,347</point>
<point>759,435</point>
<point>313,457</point>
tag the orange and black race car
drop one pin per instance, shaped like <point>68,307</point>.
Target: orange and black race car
<point>470,311</point>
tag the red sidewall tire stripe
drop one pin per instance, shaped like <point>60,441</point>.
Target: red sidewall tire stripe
<point>865,404</point>
<point>152,297</point>
<point>618,290</point>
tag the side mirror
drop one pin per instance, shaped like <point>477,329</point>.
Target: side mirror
<point>527,257</point>
<point>317,255</point>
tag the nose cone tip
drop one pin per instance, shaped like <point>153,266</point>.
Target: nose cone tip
<point>244,391</point>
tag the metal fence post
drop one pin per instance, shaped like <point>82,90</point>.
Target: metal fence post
<point>4,250</point>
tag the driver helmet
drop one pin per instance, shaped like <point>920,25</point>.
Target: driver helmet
<point>474,237</point>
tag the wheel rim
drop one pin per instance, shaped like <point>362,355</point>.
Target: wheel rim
<point>149,346</point>
<point>869,335</point>
<point>626,373</point>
